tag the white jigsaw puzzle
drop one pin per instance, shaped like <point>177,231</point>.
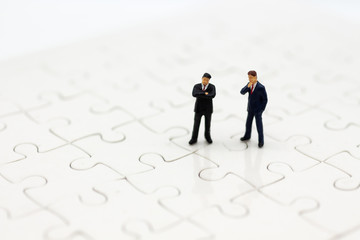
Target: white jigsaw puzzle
<point>94,135</point>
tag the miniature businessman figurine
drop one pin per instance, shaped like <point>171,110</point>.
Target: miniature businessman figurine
<point>257,101</point>
<point>204,93</point>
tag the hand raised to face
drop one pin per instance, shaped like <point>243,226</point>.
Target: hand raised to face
<point>252,80</point>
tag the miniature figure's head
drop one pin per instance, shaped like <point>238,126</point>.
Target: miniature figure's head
<point>205,79</point>
<point>252,76</point>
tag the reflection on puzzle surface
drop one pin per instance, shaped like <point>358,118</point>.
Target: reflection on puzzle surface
<point>94,136</point>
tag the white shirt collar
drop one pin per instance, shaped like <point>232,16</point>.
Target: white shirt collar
<point>255,85</point>
<point>202,86</point>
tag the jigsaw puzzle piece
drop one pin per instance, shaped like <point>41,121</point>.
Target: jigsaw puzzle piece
<point>123,203</point>
<point>352,96</point>
<point>124,156</point>
<point>352,234</point>
<point>334,213</point>
<point>286,100</point>
<point>24,228</point>
<point>119,156</point>
<point>327,76</point>
<point>308,97</point>
<point>144,230</point>
<point>195,193</point>
<point>30,75</point>
<point>251,163</point>
<point>351,166</point>
<point>222,132</point>
<point>324,142</point>
<point>178,93</point>
<point>7,108</point>
<point>77,110</point>
<point>170,114</point>
<point>55,166</point>
<point>306,123</point>
<point>18,129</point>
<point>124,85</point>
<point>183,141</point>
<point>118,81</point>
<point>116,96</point>
<point>346,114</point>
<point>275,221</point>
<point>244,164</point>
<point>14,196</point>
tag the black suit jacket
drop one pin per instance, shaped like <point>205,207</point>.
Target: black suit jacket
<point>204,102</point>
<point>258,99</point>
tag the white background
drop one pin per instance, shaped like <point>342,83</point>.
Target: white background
<point>28,26</point>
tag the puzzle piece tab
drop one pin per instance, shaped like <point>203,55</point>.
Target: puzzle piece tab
<point>124,203</point>
<point>55,166</point>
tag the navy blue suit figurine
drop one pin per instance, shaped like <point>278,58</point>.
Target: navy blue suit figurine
<point>204,92</point>
<point>257,101</point>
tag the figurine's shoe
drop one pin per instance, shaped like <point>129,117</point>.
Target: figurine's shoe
<point>244,138</point>
<point>261,144</point>
<point>192,141</point>
<point>209,140</point>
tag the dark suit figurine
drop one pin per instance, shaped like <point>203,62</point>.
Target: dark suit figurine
<point>204,93</point>
<point>257,101</point>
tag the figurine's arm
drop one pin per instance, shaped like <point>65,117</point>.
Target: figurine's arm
<point>202,94</point>
<point>264,99</point>
<point>197,92</point>
<point>211,93</point>
<point>245,89</point>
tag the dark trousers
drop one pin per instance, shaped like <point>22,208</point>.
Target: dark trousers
<point>197,120</point>
<point>259,125</point>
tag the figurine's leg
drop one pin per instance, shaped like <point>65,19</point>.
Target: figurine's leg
<point>197,120</point>
<point>259,127</point>
<point>248,125</point>
<point>207,127</point>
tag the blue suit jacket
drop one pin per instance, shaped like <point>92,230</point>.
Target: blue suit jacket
<point>258,99</point>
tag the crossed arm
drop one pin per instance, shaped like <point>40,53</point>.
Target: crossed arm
<point>204,94</point>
